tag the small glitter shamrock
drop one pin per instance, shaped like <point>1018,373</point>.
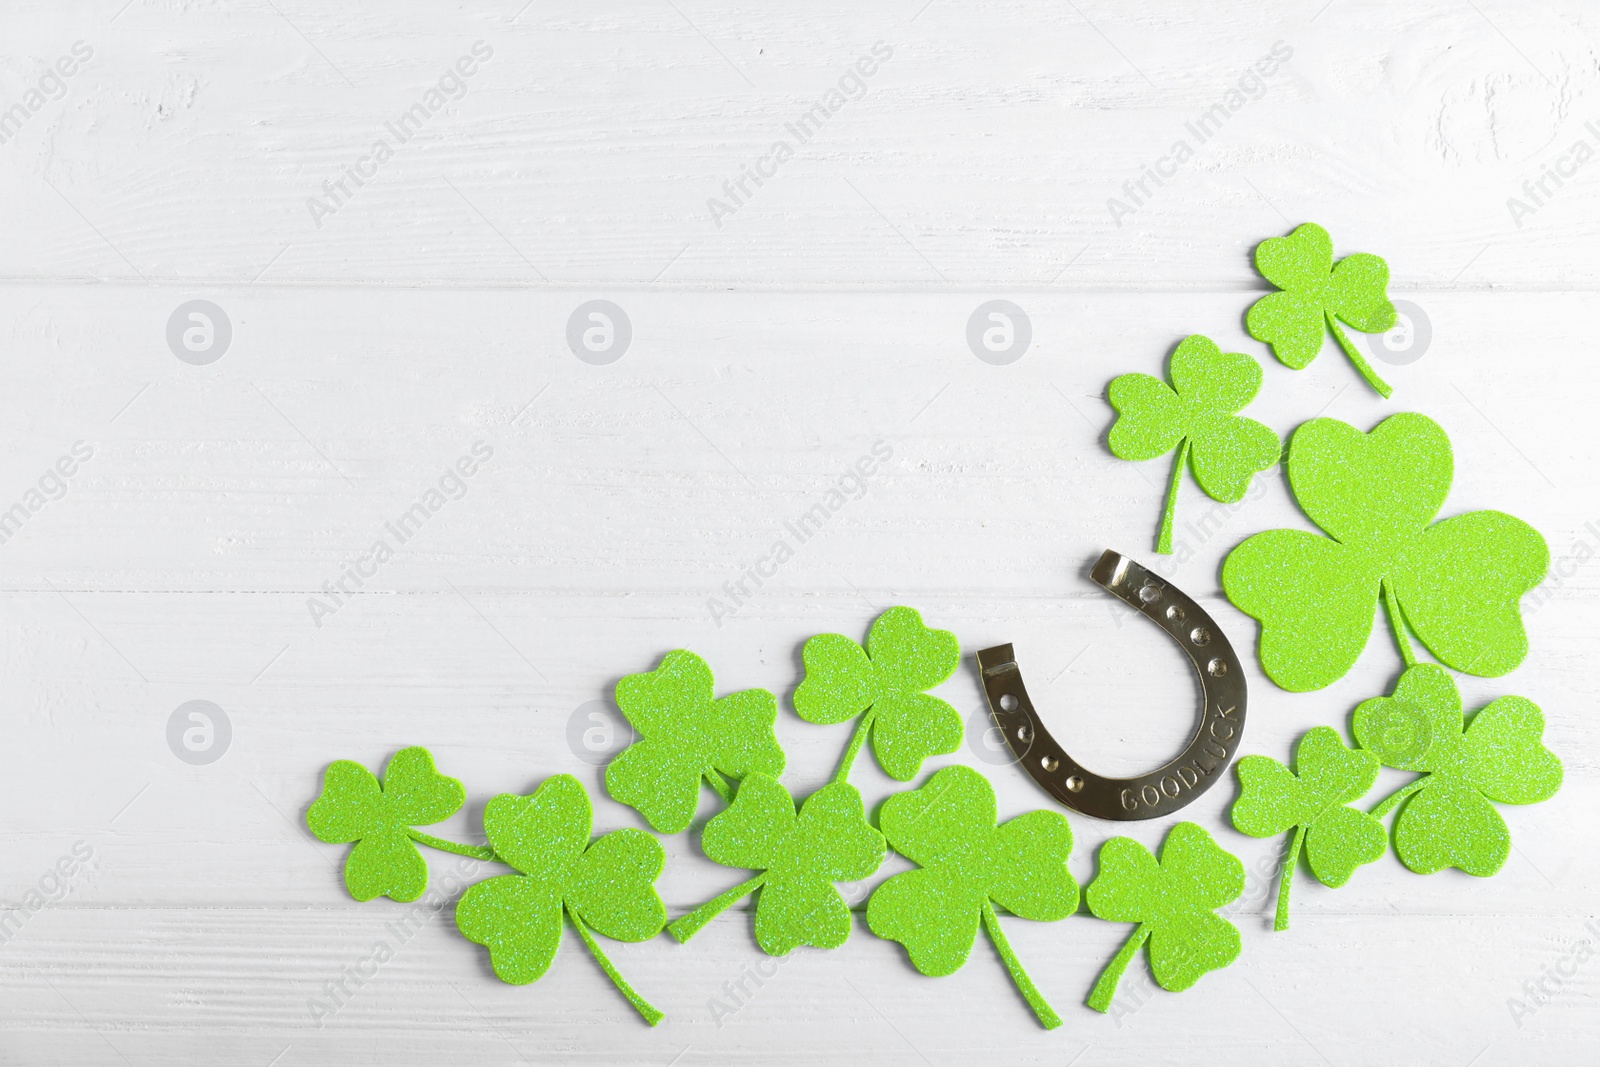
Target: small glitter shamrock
<point>799,857</point>
<point>1312,800</point>
<point>687,733</point>
<point>382,820</point>
<point>887,680</point>
<point>1317,293</point>
<point>1195,415</point>
<point>1447,820</point>
<point>966,865</point>
<point>1173,901</point>
<point>607,884</point>
<point>1455,584</point>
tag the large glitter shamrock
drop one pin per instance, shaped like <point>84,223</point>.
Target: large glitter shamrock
<point>1173,901</point>
<point>1456,584</point>
<point>1447,820</point>
<point>1317,295</point>
<point>1195,415</point>
<point>382,819</point>
<point>799,857</point>
<point>686,734</point>
<point>1312,801</point>
<point>966,865</point>
<point>887,681</point>
<point>607,884</point>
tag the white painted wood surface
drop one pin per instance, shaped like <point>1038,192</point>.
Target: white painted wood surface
<point>826,313</point>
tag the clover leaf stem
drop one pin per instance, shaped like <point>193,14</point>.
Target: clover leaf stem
<point>1164,541</point>
<point>1106,987</point>
<point>689,925</point>
<point>1392,801</point>
<point>477,852</point>
<point>856,741</point>
<point>1397,623</point>
<point>1289,863</point>
<point>720,784</point>
<point>1041,1008</point>
<point>651,1014</point>
<point>1383,387</point>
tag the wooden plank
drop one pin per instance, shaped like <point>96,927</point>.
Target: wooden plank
<point>586,148</point>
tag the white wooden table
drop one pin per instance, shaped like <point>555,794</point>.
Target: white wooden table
<point>378,335</point>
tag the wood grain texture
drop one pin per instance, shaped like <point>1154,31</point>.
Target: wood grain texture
<point>825,315</point>
<point>983,152</point>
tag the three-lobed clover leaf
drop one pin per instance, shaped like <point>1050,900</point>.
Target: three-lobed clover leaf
<point>799,856</point>
<point>687,733</point>
<point>1456,584</point>
<point>607,884</point>
<point>1317,294</point>
<point>1174,901</point>
<point>1197,415</point>
<point>965,865</point>
<point>379,819</point>
<point>888,681</point>
<point>1447,819</point>
<point>1312,800</point>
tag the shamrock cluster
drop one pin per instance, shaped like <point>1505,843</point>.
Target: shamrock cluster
<point>1455,585</point>
<point>1445,815</point>
<point>970,868</point>
<point>1197,413</point>
<point>606,884</point>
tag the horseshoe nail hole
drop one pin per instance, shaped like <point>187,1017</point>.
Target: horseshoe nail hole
<point>1149,593</point>
<point>1049,763</point>
<point>1175,613</point>
<point>1200,636</point>
<point>1074,784</point>
<point>1008,703</point>
<point>1024,733</point>
<point>1217,668</point>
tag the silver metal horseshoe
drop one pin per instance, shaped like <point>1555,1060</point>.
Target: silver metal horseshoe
<point>1169,787</point>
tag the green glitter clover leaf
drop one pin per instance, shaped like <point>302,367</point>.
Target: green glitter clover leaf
<point>1195,415</point>
<point>1312,800</point>
<point>1447,820</point>
<point>607,884</point>
<point>966,865</point>
<point>1317,294</point>
<point>799,857</point>
<point>1173,901</point>
<point>686,734</point>
<point>888,681</point>
<point>1456,584</point>
<point>381,820</point>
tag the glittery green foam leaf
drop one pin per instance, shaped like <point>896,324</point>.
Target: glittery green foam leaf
<point>965,865</point>
<point>353,807</point>
<point>800,857</point>
<point>605,885</point>
<point>886,685</point>
<point>688,734</point>
<point>1446,818</point>
<point>1316,296</point>
<point>1312,800</point>
<point>1197,415</point>
<point>1173,901</point>
<point>1456,584</point>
